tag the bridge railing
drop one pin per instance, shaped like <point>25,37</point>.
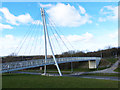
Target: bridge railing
<point>40,62</point>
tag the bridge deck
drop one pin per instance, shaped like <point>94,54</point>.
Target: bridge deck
<point>19,65</point>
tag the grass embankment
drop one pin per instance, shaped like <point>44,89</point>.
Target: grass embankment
<point>112,60</point>
<point>103,65</point>
<point>37,81</point>
<point>80,69</point>
<point>106,63</point>
<point>117,69</point>
<point>64,71</point>
<point>103,74</point>
<point>69,72</point>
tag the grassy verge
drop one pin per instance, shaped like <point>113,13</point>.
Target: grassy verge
<point>69,72</point>
<point>117,69</point>
<point>62,70</point>
<point>65,71</point>
<point>112,60</point>
<point>48,71</point>
<point>37,81</point>
<point>103,74</point>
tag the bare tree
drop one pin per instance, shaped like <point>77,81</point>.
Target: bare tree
<point>13,54</point>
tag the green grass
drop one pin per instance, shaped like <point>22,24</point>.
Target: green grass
<point>62,70</point>
<point>117,69</point>
<point>37,81</point>
<point>102,74</point>
<point>68,71</point>
<point>112,60</point>
<point>54,71</point>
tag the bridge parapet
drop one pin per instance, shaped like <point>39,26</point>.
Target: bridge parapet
<point>19,65</point>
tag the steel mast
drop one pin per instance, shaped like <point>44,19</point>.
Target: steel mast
<point>46,36</point>
<point>45,41</point>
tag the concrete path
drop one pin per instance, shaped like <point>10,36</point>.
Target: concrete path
<point>108,70</point>
<point>34,73</point>
<point>100,77</point>
<point>81,76</point>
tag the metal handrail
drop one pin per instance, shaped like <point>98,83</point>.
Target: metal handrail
<point>40,62</point>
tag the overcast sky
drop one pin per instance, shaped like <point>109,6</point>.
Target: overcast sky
<point>85,26</point>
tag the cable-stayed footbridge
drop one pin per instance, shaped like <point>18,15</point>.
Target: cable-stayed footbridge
<point>19,65</point>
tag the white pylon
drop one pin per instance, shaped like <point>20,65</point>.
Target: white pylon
<point>46,35</point>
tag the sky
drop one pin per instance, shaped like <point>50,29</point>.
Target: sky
<point>82,26</point>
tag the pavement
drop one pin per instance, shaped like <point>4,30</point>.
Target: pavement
<point>33,73</point>
<point>99,77</point>
<point>79,74</point>
<point>108,70</point>
<point>68,75</point>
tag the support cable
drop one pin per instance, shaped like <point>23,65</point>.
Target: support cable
<point>34,39</point>
<point>37,40</point>
<point>29,40</point>
<point>40,42</point>
<point>61,33</point>
<point>52,42</point>
<point>23,40</point>
<point>61,38</point>
<point>58,44</point>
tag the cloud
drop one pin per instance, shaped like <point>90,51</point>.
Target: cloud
<point>113,35</point>
<point>24,18</point>
<point>75,38</point>
<point>16,20</point>
<point>45,5</point>
<point>37,22</point>
<point>97,24</point>
<point>0,17</point>
<point>3,26</point>
<point>9,36</point>
<point>82,10</point>
<point>86,41</point>
<point>12,44</point>
<point>102,19</point>
<point>8,44</point>
<point>109,13</point>
<point>72,42</point>
<point>67,15</point>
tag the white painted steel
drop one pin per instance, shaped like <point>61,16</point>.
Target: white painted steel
<point>45,41</point>
<point>19,65</point>
<point>92,64</point>
<point>46,35</point>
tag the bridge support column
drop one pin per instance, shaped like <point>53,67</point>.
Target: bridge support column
<point>92,64</point>
<point>40,68</point>
<point>47,36</point>
<point>71,68</point>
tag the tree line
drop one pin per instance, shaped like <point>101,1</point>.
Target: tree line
<point>110,52</point>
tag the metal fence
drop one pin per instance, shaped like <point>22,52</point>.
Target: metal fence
<point>19,65</point>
